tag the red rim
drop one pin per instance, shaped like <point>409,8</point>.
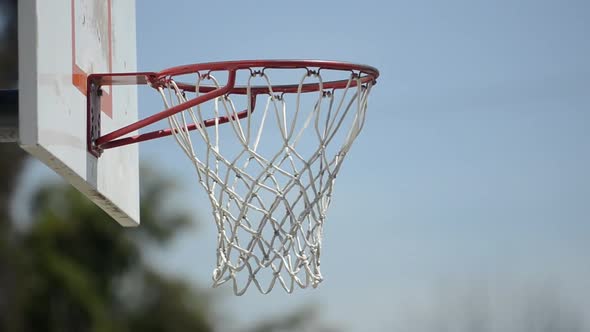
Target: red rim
<point>365,74</point>
<point>286,64</point>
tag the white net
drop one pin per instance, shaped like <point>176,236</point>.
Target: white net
<point>270,175</point>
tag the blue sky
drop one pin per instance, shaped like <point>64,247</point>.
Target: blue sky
<point>473,166</point>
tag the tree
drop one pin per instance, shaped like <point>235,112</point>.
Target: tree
<point>11,162</point>
<point>73,269</point>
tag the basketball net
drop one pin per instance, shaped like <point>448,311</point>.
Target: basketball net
<point>269,177</point>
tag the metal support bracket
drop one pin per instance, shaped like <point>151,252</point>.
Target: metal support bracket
<point>94,95</point>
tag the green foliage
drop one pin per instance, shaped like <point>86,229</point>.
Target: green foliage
<point>74,269</point>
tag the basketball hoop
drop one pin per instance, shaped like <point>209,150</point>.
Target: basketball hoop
<point>270,170</point>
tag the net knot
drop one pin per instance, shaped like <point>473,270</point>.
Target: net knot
<point>256,72</point>
<point>314,73</point>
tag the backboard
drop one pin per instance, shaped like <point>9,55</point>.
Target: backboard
<point>61,42</point>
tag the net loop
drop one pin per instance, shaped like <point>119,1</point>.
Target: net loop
<point>269,176</point>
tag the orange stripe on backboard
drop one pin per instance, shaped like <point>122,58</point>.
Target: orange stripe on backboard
<point>79,76</point>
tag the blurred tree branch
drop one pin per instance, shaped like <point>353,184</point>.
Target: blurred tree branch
<point>73,267</point>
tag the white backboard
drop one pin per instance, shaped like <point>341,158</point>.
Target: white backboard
<point>60,43</point>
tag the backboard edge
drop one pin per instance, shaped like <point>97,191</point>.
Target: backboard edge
<point>81,185</point>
